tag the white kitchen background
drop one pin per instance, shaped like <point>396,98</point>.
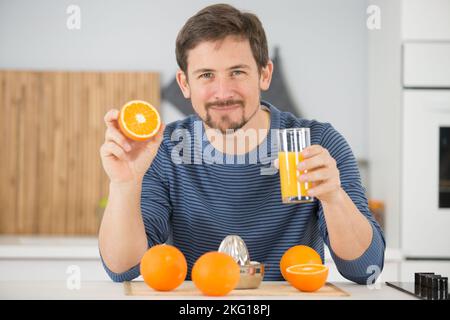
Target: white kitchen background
<point>337,71</point>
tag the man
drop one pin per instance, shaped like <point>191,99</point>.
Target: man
<point>223,58</point>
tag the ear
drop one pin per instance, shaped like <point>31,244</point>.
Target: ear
<point>183,83</point>
<point>266,76</point>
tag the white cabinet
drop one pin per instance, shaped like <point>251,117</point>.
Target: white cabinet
<point>425,19</point>
<point>426,64</point>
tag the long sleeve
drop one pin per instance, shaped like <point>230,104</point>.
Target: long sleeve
<point>359,270</point>
<point>155,209</point>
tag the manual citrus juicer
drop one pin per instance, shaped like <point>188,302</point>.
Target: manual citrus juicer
<point>251,272</point>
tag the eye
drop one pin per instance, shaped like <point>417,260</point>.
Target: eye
<point>206,75</point>
<point>237,72</point>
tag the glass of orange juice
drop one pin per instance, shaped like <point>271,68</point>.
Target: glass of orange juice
<point>291,142</point>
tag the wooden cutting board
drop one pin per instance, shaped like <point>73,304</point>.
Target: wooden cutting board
<point>139,288</point>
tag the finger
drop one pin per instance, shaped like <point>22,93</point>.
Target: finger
<point>312,150</point>
<point>316,175</point>
<point>321,189</point>
<point>320,160</point>
<point>112,134</point>
<point>111,118</point>
<point>112,149</point>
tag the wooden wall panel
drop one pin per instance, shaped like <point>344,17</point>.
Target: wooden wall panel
<point>51,129</point>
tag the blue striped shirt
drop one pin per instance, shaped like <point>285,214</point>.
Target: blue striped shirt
<point>194,204</point>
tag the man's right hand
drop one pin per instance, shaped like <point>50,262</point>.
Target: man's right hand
<point>123,159</point>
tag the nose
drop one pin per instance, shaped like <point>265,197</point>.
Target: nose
<point>223,88</point>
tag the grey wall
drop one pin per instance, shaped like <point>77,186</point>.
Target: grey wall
<point>323,44</point>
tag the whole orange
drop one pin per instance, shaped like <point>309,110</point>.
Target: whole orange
<point>163,267</point>
<point>298,255</point>
<point>215,273</point>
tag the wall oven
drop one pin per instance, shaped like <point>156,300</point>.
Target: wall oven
<point>425,199</point>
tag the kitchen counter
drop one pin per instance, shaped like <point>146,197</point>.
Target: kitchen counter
<point>109,290</point>
<point>36,267</point>
<point>53,256</point>
<point>45,247</point>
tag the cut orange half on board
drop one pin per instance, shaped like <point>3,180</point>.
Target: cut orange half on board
<point>139,120</point>
<point>307,277</point>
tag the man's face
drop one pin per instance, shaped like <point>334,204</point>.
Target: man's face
<point>223,83</point>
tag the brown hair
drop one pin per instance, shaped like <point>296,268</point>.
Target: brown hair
<point>216,22</point>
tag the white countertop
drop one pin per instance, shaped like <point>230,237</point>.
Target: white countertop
<point>57,250</point>
<point>45,247</point>
<point>106,290</point>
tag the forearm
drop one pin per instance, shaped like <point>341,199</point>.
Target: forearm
<point>122,238</point>
<point>349,231</point>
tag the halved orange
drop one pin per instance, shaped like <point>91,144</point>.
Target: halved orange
<point>307,277</point>
<point>139,120</point>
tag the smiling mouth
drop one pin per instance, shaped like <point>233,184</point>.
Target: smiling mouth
<point>226,108</point>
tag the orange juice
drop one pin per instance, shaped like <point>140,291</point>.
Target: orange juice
<point>291,189</point>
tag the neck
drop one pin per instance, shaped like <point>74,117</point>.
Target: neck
<point>245,139</point>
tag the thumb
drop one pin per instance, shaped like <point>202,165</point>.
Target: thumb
<point>276,163</point>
